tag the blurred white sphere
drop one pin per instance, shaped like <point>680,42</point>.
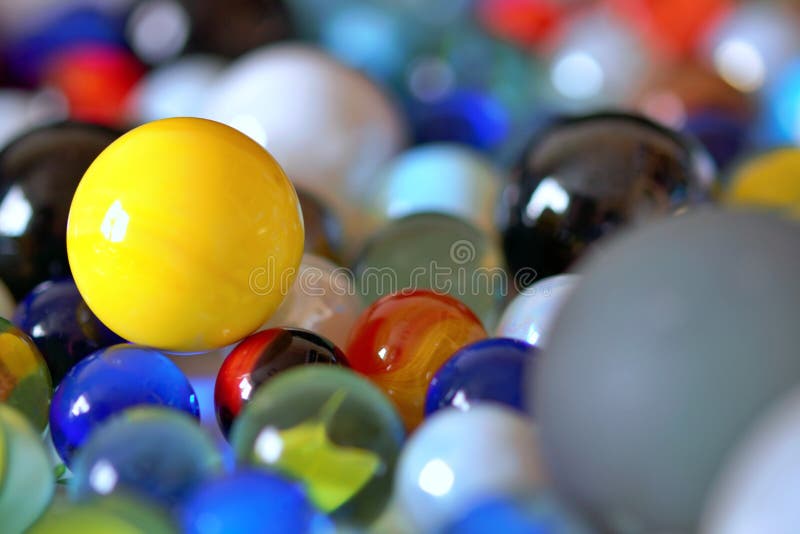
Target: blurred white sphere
<point>329,127</point>
<point>322,299</point>
<point>530,315</point>
<point>441,178</point>
<point>753,45</point>
<point>456,459</point>
<point>678,336</point>
<point>598,61</point>
<point>177,89</point>
<point>23,110</point>
<point>158,30</point>
<point>758,490</point>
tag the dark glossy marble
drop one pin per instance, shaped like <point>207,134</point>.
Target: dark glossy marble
<point>58,320</point>
<point>581,179</point>
<point>491,370</point>
<point>39,173</point>
<point>259,358</point>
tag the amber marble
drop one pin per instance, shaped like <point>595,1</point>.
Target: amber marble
<point>401,341</point>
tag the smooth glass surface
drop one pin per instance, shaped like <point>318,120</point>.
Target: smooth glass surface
<point>531,314</point>
<point>39,173</point>
<point>109,381</point>
<point>402,340</point>
<point>157,273</point>
<point>26,475</point>
<point>491,370</point>
<point>58,320</point>
<point>437,480</point>
<point>155,453</point>
<point>262,356</point>
<point>252,501</point>
<point>438,252</point>
<point>330,429</point>
<point>25,382</point>
<point>581,179</point>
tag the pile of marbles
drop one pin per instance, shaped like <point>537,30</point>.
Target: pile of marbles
<point>466,266</point>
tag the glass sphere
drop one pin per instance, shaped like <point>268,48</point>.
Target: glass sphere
<point>109,381</point>
<point>155,453</point>
<point>331,430</point>
<point>26,475</point>
<point>583,178</point>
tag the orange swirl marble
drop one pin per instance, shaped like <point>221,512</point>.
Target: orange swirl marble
<point>401,341</point>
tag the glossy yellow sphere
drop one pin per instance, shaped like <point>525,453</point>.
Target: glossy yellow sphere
<point>769,181</point>
<point>184,235</point>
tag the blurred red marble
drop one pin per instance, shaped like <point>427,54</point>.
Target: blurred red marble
<point>95,81</point>
<point>674,27</point>
<point>528,23</point>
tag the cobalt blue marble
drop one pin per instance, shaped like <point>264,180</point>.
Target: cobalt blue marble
<point>58,320</point>
<point>251,501</point>
<point>109,381</point>
<point>540,514</point>
<point>465,116</point>
<point>155,453</point>
<point>488,370</point>
<point>65,27</point>
<point>723,134</point>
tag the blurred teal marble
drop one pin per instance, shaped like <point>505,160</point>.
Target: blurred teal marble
<point>438,252</point>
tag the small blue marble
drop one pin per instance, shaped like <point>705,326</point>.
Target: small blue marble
<point>723,134</point>
<point>71,26</point>
<point>155,453</point>
<point>466,116</point>
<point>541,514</point>
<point>251,501</point>
<point>58,320</point>
<point>109,381</point>
<point>488,370</point>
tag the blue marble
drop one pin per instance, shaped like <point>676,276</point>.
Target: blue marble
<point>250,501</point>
<point>488,370</point>
<point>155,453</point>
<point>724,134</point>
<point>373,39</point>
<point>70,26</point>
<point>58,320</point>
<point>465,116</point>
<point>780,105</point>
<point>540,514</point>
<point>109,381</point>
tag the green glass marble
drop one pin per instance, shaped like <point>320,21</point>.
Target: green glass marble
<point>117,514</point>
<point>437,252</point>
<point>330,429</point>
<point>24,378</point>
<point>26,475</point>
